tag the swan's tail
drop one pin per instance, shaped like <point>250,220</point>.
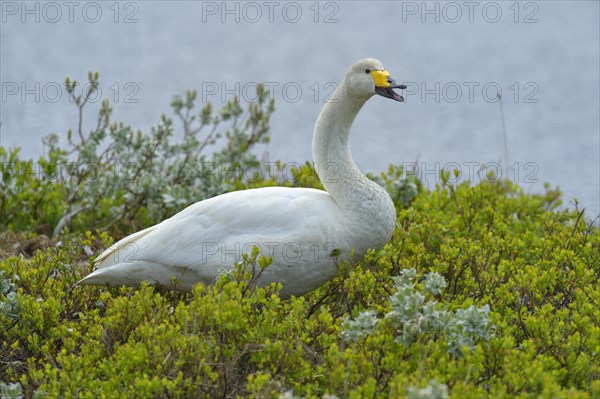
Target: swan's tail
<point>132,274</point>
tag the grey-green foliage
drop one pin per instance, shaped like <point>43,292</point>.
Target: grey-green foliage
<point>413,315</point>
<point>363,325</point>
<point>6,284</point>
<point>434,283</point>
<point>161,171</point>
<point>11,390</point>
<point>289,394</point>
<point>402,186</point>
<point>433,390</point>
<point>9,299</point>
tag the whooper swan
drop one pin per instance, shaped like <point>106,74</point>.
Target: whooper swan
<point>299,228</point>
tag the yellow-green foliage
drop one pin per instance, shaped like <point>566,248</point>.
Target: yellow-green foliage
<point>537,268</point>
<point>483,291</point>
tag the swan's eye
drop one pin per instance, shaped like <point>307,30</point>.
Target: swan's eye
<point>367,70</point>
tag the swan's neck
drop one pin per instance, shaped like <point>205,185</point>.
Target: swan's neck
<point>331,153</point>
<point>364,203</point>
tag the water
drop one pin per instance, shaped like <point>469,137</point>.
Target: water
<point>543,55</point>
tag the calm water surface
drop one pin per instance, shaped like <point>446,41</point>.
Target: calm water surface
<point>543,55</point>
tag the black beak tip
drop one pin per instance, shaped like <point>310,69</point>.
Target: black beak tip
<point>389,92</point>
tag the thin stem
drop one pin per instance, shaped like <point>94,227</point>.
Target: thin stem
<point>504,135</point>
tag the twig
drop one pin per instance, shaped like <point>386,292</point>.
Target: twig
<point>504,134</point>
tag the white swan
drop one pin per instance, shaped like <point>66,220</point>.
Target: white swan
<point>297,227</point>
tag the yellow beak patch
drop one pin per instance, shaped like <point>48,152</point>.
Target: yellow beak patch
<point>381,78</point>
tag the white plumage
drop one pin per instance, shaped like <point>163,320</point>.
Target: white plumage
<point>297,227</point>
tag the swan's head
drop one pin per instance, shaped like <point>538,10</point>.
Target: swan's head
<point>367,77</point>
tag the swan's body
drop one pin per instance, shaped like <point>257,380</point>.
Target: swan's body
<point>297,227</point>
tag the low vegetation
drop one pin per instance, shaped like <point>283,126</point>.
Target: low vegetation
<point>483,291</point>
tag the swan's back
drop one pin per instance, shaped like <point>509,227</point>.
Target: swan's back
<point>297,227</point>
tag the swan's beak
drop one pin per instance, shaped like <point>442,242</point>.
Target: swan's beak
<point>384,85</point>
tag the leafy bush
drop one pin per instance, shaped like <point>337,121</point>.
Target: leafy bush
<point>483,291</point>
<point>410,316</point>
<point>147,176</point>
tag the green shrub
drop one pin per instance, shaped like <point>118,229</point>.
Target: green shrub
<point>483,291</point>
<point>536,269</point>
<point>148,176</point>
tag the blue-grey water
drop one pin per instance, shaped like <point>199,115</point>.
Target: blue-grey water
<point>454,56</point>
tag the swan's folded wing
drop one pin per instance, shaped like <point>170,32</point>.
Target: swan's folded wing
<point>111,255</point>
<point>213,233</point>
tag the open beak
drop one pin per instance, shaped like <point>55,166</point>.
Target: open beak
<point>384,85</point>
<point>388,90</point>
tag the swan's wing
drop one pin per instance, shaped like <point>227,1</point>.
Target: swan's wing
<point>212,234</point>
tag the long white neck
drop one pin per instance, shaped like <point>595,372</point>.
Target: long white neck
<point>331,153</point>
<point>364,203</point>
